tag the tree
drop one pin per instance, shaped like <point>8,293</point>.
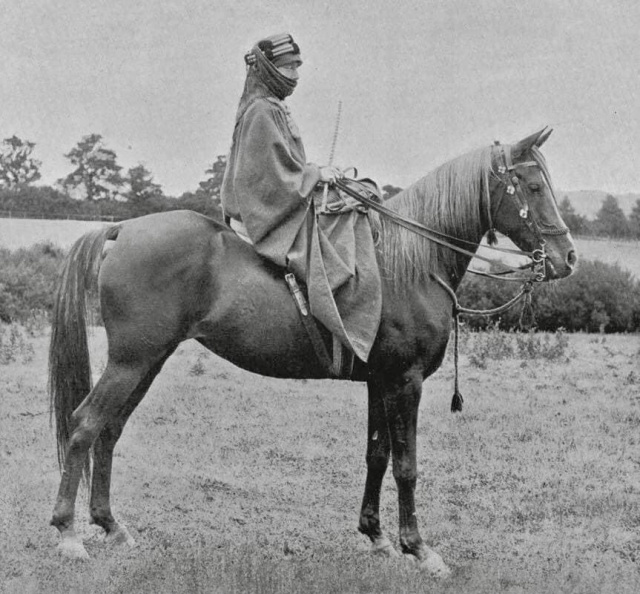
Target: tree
<point>17,166</point>
<point>142,189</point>
<point>611,220</point>
<point>576,223</point>
<point>97,173</point>
<point>210,187</point>
<point>634,220</point>
<point>389,191</point>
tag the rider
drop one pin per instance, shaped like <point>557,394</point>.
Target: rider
<point>268,181</point>
<point>268,196</point>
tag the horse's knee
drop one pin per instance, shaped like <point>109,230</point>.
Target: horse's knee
<point>377,461</point>
<point>405,473</point>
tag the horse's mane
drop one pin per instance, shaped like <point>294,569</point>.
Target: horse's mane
<point>448,200</point>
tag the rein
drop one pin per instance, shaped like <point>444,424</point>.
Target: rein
<point>512,187</point>
<point>419,229</point>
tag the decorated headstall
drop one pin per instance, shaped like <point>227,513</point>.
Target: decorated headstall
<point>513,188</point>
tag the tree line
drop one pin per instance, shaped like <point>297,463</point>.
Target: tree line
<point>610,220</point>
<point>98,187</point>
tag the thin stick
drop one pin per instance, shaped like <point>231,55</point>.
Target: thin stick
<point>335,133</point>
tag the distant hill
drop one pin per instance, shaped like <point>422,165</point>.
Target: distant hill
<point>588,202</point>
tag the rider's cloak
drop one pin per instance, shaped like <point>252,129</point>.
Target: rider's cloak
<point>270,187</point>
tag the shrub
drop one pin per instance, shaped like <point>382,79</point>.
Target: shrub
<point>493,344</point>
<point>597,297</point>
<point>27,283</point>
<point>14,344</point>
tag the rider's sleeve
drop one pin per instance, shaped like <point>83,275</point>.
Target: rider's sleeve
<point>271,181</point>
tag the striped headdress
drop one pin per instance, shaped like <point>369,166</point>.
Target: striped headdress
<point>278,49</point>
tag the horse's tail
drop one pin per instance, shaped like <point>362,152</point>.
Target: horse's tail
<point>69,366</point>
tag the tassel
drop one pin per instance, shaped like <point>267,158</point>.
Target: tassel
<point>492,239</point>
<point>457,400</point>
<point>527,315</point>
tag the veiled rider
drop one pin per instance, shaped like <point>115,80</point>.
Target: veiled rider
<point>270,195</point>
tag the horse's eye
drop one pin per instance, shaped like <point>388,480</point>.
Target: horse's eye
<point>534,187</point>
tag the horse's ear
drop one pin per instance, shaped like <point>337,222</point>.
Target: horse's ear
<point>524,146</point>
<point>543,137</point>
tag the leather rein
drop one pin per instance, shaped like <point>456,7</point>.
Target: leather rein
<point>513,188</point>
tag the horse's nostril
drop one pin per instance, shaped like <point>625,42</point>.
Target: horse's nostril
<point>572,258</point>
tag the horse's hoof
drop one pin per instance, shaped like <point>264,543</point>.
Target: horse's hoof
<point>383,547</point>
<point>433,564</point>
<point>73,548</point>
<point>119,536</point>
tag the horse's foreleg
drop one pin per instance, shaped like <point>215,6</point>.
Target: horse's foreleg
<point>87,421</point>
<point>100,506</point>
<point>401,403</point>
<point>378,451</point>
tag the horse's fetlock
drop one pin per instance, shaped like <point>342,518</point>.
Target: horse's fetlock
<point>411,545</point>
<point>62,520</point>
<point>370,527</point>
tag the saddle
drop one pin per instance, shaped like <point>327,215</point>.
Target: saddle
<point>337,360</point>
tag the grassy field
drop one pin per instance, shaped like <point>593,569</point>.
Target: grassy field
<point>235,483</point>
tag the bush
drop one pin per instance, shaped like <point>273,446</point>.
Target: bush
<point>598,297</point>
<point>27,282</point>
<point>47,202</point>
<point>15,344</point>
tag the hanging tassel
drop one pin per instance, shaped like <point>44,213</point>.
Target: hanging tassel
<point>527,315</point>
<point>457,400</point>
<point>492,239</point>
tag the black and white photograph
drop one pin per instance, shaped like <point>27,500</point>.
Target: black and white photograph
<point>313,296</point>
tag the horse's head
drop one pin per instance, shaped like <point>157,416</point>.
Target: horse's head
<point>526,210</point>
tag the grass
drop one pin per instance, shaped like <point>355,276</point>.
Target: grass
<point>235,483</point>
<point>495,345</point>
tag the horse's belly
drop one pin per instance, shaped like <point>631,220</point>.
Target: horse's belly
<point>258,328</point>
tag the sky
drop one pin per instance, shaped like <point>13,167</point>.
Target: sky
<point>419,82</point>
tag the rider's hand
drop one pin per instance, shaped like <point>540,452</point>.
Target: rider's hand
<point>329,174</point>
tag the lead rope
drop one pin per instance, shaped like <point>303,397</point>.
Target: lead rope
<point>527,310</point>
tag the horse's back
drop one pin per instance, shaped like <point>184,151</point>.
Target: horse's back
<point>179,275</point>
<point>156,278</point>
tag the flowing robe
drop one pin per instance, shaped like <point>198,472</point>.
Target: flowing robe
<point>270,188</point>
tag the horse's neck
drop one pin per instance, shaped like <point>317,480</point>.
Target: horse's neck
<point>452,265</point>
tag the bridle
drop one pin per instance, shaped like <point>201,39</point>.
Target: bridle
<point>512,187</point>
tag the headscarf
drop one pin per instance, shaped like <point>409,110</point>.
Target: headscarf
<point>263,77</point>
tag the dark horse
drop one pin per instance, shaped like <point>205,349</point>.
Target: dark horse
<point>173,276</point>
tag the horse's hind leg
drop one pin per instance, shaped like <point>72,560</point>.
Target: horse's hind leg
<point>378,451</point>
<point>100,507</point>
<point>99,408</point>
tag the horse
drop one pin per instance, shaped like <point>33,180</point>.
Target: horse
<point>172,276</point>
